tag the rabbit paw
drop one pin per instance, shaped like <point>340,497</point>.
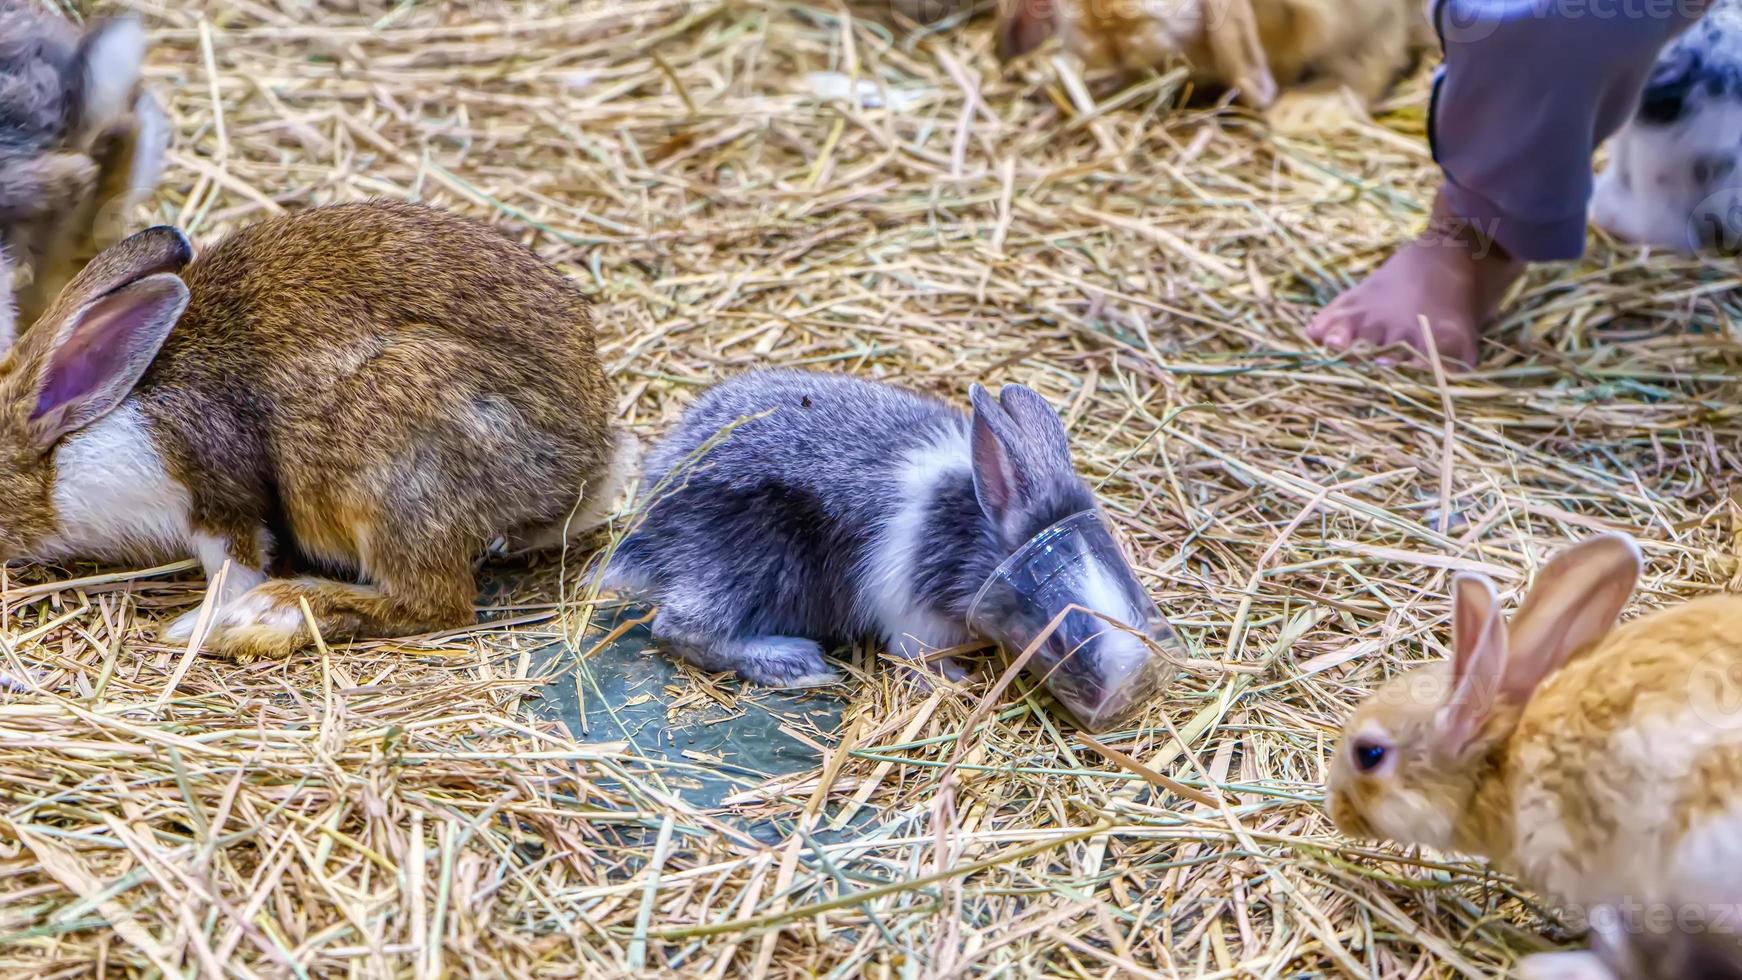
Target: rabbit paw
<point>182,629</point>
<point>258,626</point>
<point>782,661</point>
<point>1299,113</point>
<point>951,668</point>
<point>1580,965</point>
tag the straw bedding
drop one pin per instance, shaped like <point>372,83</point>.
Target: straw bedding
<point>388,808</point>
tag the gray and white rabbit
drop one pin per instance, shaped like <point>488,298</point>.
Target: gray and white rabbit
<point>1675,171</point>
<point>839,508</point>
<point>81,143</point>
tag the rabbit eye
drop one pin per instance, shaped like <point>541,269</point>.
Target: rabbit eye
<point>1368,755</point>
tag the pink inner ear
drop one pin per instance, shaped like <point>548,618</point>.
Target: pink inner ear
<point>103,352</point>
<point>992,474</point>
<point>1479,659</point>
<point>80,368</point>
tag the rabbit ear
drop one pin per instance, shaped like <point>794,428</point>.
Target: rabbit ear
<point>1479,655</point>
<point>1238,55</point>
<point>1024,25</point>
<point>100,335</point>
<point>1044,442</point>
<point>8,306</point>
<point>146,253</point>
<point>1021,454</point>
<point>1576,600</point>
<point>99,354</point>
<point>151,142</point>
<point>110,57</point>
<point>995,476</point>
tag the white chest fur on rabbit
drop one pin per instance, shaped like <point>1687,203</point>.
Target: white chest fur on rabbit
<point>909,626</point>
<point>115,501</point>
<point>113,496</point>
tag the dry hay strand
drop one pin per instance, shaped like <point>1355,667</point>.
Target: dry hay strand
<point>386,808</point>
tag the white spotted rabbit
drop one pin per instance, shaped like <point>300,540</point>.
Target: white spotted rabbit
<point>1674,177</point>
<point>1600,764</point>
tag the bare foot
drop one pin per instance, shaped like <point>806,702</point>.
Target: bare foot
<point>1449,275</point>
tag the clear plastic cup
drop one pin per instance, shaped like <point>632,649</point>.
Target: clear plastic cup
<point>1111,652</point>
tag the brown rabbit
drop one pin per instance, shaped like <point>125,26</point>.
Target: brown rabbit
<point>81,143</point>
<point>379,389</point>
<point>1312,64</point>
<point>1601,765</point>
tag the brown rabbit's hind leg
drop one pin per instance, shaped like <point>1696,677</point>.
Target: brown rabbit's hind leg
<point>240,559</point>
<point>414,592</point>
<point>267,623</point>
<point>591,511</point>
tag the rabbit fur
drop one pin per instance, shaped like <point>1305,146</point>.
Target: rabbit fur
<point>81,143</point>
<point>1601,764</point>
<point>1311,64</point>
<point>836,508</point>
<point>1674,177</point>
<point>1665,941</point>
<point>375,390</point>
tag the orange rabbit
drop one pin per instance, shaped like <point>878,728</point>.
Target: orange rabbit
<point>1600,764</point>
<point>1311,64</point>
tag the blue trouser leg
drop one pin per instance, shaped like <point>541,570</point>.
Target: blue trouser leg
<point>1528,91</point>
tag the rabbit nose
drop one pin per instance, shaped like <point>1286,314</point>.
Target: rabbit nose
<point>1116,651</point>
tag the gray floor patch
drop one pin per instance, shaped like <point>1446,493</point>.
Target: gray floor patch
<point>705,751</point>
